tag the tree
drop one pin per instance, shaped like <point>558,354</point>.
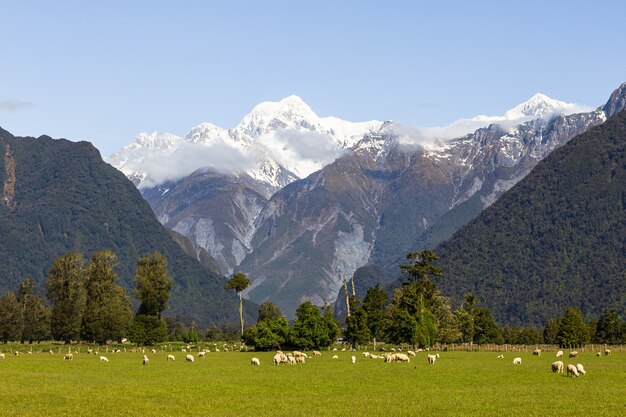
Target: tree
<point>269,311</point>
<point>108,313</point>
<point>550,331</point>
<point>312,330</point>
<point>572,330</point>
<point>11,319</point>
<point>238,282</point>
<point>65,287</point>
<point>152,284</point>
<point>36,315</point>
<point>485,328</point>
<point>357,331</point>
<point>610,328</point>
<point>152,288</point>
<point>421,268</point>
<point>375,305</point>
<point>271,330</point>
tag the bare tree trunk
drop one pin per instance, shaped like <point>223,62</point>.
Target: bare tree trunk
<point>241,312</point>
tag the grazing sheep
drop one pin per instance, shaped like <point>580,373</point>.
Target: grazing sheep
<point>401,357</point>
<point>335,357</point>
<point>366,354</point>
<point>334,349</point>
<point>291,360</point>
<point>573,354</point>
<point>500,356</point>
<point>607,352</point>
<point>599,354</point>
<point>559,354</point>
<point>104,359</point>
<point>67,357</point>
<point>410,353</point>
<point>89,351</point>
<point>431,359</point>
<point>393,349</point>
<point>300,359</point>
<point>580,369</point>
<point>1,355</point>
<point>201,354</point>
<point>145,360</point>
<point>437,355</point>
<point>277,359</point>
<point>51,352</point>
<point>537,352</point>
<point>517,361</point>
<point>317,353</point>
<point>171,358</point>
<point>557,367</point>
<point>353,359</point>
<point>571,370</point>
<point>280,352</point>
<point>255,362</point>
<point>189,358</point>
<point>183,350</point>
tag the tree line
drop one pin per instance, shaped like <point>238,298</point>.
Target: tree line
<point>87,303</point>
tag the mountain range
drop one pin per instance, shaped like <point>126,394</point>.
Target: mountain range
<point>301,202</point>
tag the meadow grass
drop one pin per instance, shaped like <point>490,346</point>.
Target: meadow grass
<point>225,384</point>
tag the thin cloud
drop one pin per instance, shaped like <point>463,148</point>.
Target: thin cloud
<point>11,106</point>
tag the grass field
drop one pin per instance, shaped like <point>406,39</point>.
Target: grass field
<point>224,384</point>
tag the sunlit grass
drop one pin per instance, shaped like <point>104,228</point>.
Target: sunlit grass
<point>224,384</point>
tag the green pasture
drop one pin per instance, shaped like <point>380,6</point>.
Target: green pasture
<point>224,384</point>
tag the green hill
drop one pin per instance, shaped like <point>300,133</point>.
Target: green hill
<point>557,238</point>
<point>60,196</point>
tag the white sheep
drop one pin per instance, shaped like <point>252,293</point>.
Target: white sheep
<point>571,370</point>
<point>2,356</point>
<point>255,362</point>
<point>410,353</point>
<point>153,350</point>
<point>201,354</point>
<point>104,359</point>
<point>300,359</point>
<point>559,354</point>
<point>353,359</point>
<point>366,354</point>
<point>171,358</point>
<point>517,361</point>
<point>599,354</point>
<point>573,354</point>
<point>580,369</point>
<point>189,358</point>
<point>431,359</point>
<point>68,357</point>
<point>291,359</point>
<point>317,353</point>
<point>500,356</point>
<point>401,357</point>
<point>278,359</point>
<point>557,367</point>
<point>145,360</point>
<point>537,352</point>
<point>607,352</point>
<point>335,357</point>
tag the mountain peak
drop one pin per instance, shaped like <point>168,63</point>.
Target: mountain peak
<point>538,105</point>
<point>290,112</point>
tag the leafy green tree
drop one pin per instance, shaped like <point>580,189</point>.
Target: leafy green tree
<point>147,330</point>
<point>11,319</point>
<point>375,305</point>
<point>421,268</point>
<point>550,332</point>
<point>447,324</point>
<point>108,313</point>
<point>34,311</point>
<point>485,328</point>
<point>610,328</point>
<point>269,311</point>
<point>238,282</point>
<point>410,321</point>
<point>572,330</point>
<point>357,331</point>
<point>152,284</point>
<point>311,330</point>
<point>65,287</point>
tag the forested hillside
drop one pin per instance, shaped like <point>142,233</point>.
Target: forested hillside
<point>59,196</point>
<point>557,238</point>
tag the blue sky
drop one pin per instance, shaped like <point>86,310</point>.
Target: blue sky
<point>105,71</point>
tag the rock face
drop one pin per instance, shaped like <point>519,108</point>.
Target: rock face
<point>376,195</point>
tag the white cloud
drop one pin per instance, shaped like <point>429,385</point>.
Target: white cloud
<point>11,106</point>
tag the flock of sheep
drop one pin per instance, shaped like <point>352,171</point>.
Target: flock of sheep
<point>557,367</point>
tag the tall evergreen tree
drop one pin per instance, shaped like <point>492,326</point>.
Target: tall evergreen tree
<point>375,305</point>
<point>271,330</point>
<point>34,311</point>
<point>610,328</point>
<point>108,313</point>
<point>152,288</point>
<point>11,319</point>
<point>550,331</point>
<point>238,282</point>
<point>572,330</point>
<point>65,287</point>
<point>357,331</point>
